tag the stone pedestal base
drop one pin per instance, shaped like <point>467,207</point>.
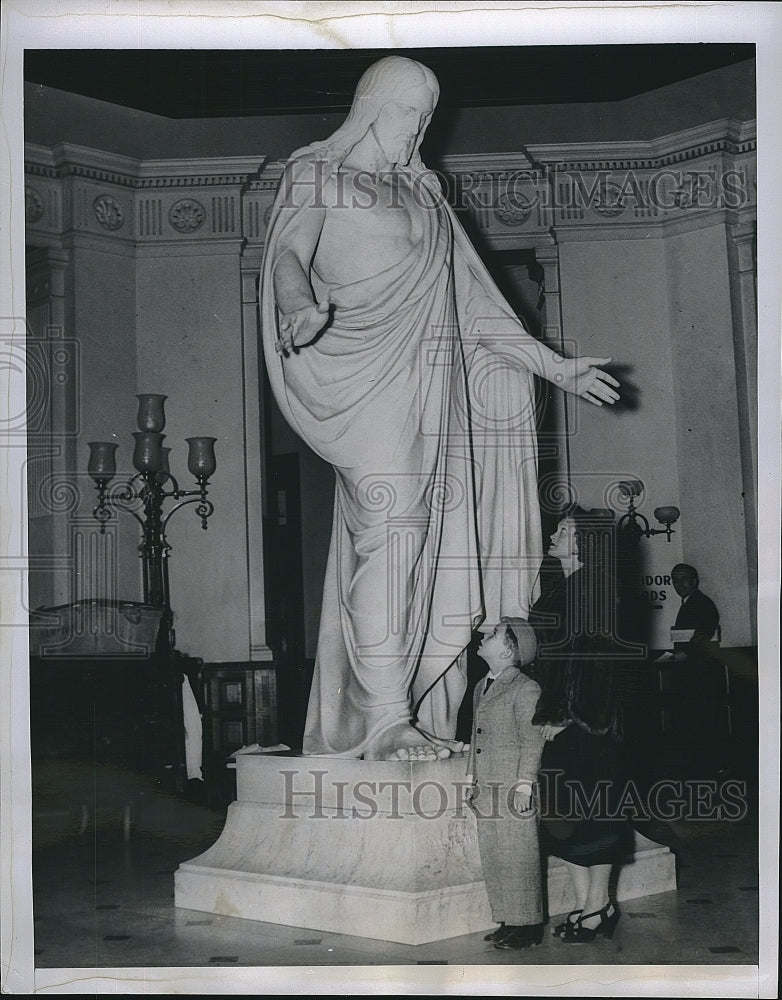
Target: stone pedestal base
<point>379,849</point>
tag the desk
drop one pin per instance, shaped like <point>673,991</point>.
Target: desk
<point>103,736</point>
<point>106,687</point>
<point>707,708</point>
<point>106,711</point>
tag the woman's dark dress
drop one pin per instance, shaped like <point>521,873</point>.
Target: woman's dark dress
<point>577,676</point>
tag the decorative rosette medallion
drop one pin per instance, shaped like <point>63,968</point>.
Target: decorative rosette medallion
<point>108,212</point>
<point>186,215</point>
<point>682,197</point>
<point>610,201</point>
<point>33,204</point>
<point>513,209</point>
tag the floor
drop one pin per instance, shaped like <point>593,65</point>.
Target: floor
<point>103,901</point>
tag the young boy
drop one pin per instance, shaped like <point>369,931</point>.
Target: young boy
<point>505,753</point>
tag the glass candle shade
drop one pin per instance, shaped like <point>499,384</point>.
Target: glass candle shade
<point>163,472</point>
<point>631,487</point>
<point>667,515</point>
<point>201,459</point>
<point>147,452</point>
<point>102,463</point>
<point>151,416</point>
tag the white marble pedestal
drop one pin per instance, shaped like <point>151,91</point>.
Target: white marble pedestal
<point>379,849</point>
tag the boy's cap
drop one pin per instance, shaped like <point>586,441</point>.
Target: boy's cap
<point>526,639</point>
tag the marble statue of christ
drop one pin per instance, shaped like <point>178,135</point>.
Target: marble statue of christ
<point>394,356</point>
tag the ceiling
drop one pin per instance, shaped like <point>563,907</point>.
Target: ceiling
<point>189,83</point>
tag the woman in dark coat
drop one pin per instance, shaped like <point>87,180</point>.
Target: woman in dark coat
<point>579,653</point>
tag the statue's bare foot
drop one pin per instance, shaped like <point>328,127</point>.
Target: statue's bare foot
<point>426,751</point>
<point>405,742</point>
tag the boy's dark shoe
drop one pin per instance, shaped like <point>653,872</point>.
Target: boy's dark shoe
<point>500,932</point>
<point>521,937</point>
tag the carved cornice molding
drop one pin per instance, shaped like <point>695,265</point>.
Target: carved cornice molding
<point>643,188</point>
<point>69,160</point>
<point>686,179</point>
<point>208,172</point>
<point>73,189</point>
<point>271,173</point>
<point>724,135</point>
<point>461,163</point>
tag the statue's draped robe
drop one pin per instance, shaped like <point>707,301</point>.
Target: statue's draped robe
<point>420,399</point>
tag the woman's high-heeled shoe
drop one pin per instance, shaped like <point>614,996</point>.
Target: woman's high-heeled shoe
<point>568,922</point>
<point>578,934</point>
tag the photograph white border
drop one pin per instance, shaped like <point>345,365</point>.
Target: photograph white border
<point>223,24</point>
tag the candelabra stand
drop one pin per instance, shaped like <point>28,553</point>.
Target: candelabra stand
<point>149,489</point>
<point>144,496</point>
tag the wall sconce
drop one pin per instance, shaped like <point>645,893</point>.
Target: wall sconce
<point>634,521</point>
<point>146,490</point>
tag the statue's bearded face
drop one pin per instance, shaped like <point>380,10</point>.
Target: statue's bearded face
<point>401,123</point>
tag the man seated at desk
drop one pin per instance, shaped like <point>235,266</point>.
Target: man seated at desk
<point>698,617</point>
<point>697,684</point>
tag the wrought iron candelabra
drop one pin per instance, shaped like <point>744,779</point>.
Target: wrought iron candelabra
<point>145,493</point>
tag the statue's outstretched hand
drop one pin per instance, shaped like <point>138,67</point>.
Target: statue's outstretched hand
<point>300,327</point>
<point>582,378</point>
